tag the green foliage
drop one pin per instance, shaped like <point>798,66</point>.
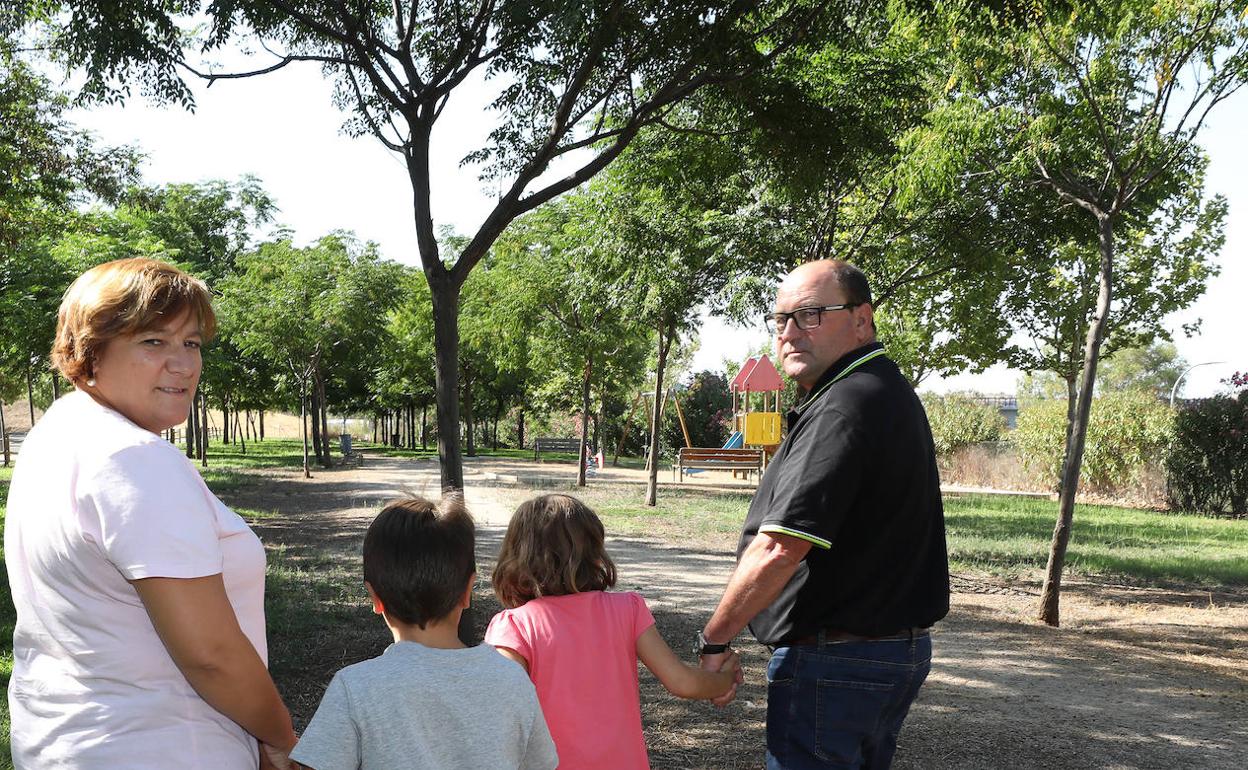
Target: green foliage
<point>707,406</point>
<point>958,420</point>
<point>1153,369</point>
<point>1207,465</point>
<point>1127,431</point>
<point>47,167</point>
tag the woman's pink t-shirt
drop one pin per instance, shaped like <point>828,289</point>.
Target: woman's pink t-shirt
<point>582,654</point>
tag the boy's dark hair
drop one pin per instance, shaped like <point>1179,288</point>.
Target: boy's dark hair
<point>553,546</point>
<point>418,557</point>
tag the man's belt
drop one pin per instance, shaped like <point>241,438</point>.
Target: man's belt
<point>829,635</point>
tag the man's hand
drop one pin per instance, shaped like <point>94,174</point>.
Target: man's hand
<point>726,660</point>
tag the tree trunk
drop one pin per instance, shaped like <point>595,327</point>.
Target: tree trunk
<point>191,417</point>
<point>424,425</point>
<point>225,421</point>
<point>313,411</point>
<point>4,435</point>
<point>520,429</point>
<point>600,421</point>
<point>326,459</point>
<point>30,395</point>
<point>652,480</point>
<point>303,425</point>
<point>583,454</point>
<point>1050,595</point>
<point>261,424</point>
<point>469,417</point>
<point>240,434</point>
<point>445,296</point>
<point>203,432</point>
<point>56,386</point>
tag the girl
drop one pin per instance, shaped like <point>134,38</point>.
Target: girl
<point>580,644</point>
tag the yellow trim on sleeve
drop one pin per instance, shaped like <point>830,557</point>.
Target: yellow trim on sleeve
<point>816,541</point>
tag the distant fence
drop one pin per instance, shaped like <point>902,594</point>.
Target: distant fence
<point>178,435</point>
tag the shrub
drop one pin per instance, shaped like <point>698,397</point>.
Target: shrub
<point>1207,466</point>
<point>958,420</point>
<point>1127,431</point>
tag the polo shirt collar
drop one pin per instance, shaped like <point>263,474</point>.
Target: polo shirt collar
<point>852,359</point>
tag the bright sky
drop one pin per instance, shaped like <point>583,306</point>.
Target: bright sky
<point>283,129</point>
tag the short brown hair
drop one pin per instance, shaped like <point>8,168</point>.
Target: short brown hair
<point>418,557</point>
<point>554,546</point>
<point>121,297</point>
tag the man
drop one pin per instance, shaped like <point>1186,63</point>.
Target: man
<point>841,567</point>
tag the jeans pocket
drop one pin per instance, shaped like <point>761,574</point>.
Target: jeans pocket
<point>847,715</point>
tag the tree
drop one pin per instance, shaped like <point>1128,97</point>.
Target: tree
<point>1100,105</point>
<point>663,227</point>
<point>577,82</point>
<point>47,168</point>
<point>303,306</point>
<point>1153,369</point>
<point>707,407</point>
<point>573,296</point>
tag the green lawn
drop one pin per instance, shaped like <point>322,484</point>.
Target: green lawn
<point>999,534</point>
<point>1008,535</point>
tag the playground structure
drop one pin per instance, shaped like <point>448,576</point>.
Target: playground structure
<point>756,428</point>
<point>755,432</point>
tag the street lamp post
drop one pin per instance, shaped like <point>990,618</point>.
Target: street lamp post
<point>1175,390</point>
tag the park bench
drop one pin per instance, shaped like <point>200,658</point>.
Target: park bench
<point>693,458</point>
<point>571,445</point>
<point>349,455</point>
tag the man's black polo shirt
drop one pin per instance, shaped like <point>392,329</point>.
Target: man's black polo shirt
<point>856,477</point>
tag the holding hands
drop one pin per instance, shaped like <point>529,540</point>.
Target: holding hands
<point>729,662</point>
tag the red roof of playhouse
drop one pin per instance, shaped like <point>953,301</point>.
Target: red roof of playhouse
<point>758,375</point>
<point>743,372</point>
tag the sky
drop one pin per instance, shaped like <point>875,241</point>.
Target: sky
<point>283,128</point>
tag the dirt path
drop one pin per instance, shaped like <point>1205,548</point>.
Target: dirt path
<point>1133,679</point>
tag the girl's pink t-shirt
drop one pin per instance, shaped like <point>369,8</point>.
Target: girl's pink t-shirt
<point>582,654</point>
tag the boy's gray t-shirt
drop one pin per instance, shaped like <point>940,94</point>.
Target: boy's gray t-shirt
<point>421,707</point>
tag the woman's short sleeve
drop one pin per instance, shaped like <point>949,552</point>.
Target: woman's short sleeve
<point>152,515</point>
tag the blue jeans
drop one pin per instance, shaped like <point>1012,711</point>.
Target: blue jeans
<point>842,704</point>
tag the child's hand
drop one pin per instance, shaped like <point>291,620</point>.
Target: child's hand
<point>273,758</point>
<point>731,664</point>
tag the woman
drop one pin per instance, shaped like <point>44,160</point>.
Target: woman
<point>140,639</point>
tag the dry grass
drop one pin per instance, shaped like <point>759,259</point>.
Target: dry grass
<point>997,466</point>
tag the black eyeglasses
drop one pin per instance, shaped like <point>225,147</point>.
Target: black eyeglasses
<point>805,317</point>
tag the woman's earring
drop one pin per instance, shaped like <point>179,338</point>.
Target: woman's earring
<point>91,383</point>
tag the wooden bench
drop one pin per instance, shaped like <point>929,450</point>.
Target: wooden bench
<point>691,458</point>
<point>572,445</point>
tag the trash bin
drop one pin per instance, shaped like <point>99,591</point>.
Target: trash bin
<point>345,439</point>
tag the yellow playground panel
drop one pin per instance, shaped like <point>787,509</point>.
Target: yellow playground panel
<point>762,428</point>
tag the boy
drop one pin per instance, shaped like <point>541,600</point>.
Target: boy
<point>427,701</point>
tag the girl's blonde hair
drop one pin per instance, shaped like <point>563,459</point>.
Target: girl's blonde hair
<point>554,546</point>
<point>122,297</point>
